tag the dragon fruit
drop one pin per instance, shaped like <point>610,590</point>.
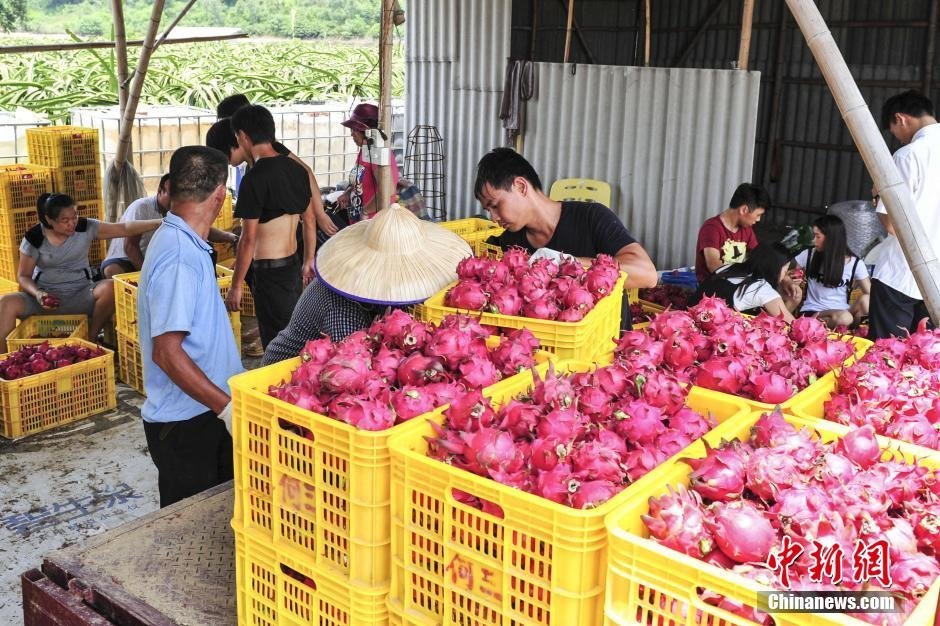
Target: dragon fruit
<point>720,475</point>
<point>740,531</point>
<point>467,295</point>
<point>677,519</point>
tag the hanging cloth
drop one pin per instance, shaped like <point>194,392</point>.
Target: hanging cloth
<point>521,84</point>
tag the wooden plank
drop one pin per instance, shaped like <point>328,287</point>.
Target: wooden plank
<point>747,19</point>
<point>47,604</point>
<point>92,45</point>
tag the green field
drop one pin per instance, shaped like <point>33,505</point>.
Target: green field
<point>199,75</point>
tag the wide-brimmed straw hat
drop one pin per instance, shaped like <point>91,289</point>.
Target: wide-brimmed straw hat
<point>394,258</point>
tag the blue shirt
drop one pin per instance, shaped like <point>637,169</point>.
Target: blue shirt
<point>178,291</point>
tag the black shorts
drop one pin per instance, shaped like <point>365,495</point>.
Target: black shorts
<point>191,455</point>
<point>892,313</point>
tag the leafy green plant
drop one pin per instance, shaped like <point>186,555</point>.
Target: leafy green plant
<point>198,75</point>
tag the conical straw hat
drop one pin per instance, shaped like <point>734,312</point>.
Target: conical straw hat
<point>394,258</point>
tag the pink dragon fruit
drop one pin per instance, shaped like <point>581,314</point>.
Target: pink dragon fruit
<point>344,375</point>
<point>639,422</point>
<point>505,301</point>
<point>411,401</point>
<point>417,369</point>
<point>720,475</point>
<point>543,308</point>
<point>860,446</point>
<point>479,372</point>
<point>740,531</point>
<point>771,388</point>
<point>467,295</point>
<point>770,470</point>
<point>556,484</point>
<point>362,413</point>
<point>593,493</point>
<point>804,330</point>
<point>592,460</point>
<point>677,520</point>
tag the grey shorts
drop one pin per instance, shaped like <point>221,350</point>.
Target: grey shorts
<point>72,303</point>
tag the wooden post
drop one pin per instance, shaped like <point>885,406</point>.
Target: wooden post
<point>931,47</point>
<point>646,39</point>
<point>744,52</point>
<point>385,100</point>
<point>568,30</point>
<point>889,183</point>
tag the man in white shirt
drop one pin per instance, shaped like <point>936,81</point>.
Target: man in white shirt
<point>127,254</point>
<point>896,302</point>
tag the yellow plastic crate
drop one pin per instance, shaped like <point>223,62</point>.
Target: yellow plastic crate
<point>62,146</point>
<point>38,328</point>
<point>81,183</point>
<point>581,341</point>
<point>225,220</point>
<point>470,226</point>
<point>669,579</point>
<point>650,307</point>
<point>247,304</point>
<point>8,286</point>
<point>43,401</point>
<point>275,589</point>
<point>9,262</point>
<point>474,231</point>
<point>22,184</point>
<point>130,363</point>
<point>540,563</point>
<point>323,498</point>
<point>125,301</point>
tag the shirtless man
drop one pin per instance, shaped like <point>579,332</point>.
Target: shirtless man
<point>274,197</point>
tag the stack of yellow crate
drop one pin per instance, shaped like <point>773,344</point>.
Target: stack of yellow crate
<point>130,362</point>
<point>72,154</point>
<point>20,187</point>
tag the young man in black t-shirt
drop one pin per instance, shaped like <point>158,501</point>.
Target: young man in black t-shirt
<point>510,189</point>
<point>274,197</point>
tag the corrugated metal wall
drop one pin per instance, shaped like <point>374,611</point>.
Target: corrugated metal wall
<point>672,143</point>
<point>455,59</point>
<point>804,153</point>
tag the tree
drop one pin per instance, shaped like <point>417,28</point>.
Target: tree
<point>12,14</point>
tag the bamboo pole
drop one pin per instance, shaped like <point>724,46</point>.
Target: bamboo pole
<point>120,51</point>
<point>127,117</point>
<point>385,100</point>
<point>163,37</point>
<point>568,29</point>
<point>646,40</point>
<point>747,19</point>
<point>889,184</point>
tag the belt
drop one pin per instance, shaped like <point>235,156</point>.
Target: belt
<point>270,264</point>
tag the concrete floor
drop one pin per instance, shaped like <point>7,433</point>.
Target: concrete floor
<point>63,486</point>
